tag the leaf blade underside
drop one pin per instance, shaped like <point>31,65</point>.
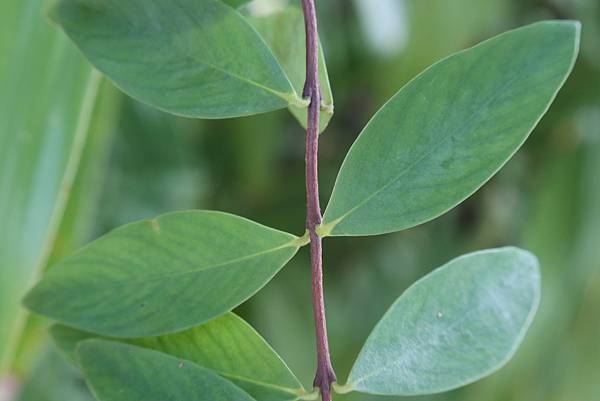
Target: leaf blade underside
<point>456,325</point>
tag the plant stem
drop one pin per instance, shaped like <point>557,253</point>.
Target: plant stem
<point>312,90</point>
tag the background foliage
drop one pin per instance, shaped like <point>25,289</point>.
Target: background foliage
<point>141,162</point>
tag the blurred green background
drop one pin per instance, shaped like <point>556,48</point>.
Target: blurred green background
<point>123,161</point>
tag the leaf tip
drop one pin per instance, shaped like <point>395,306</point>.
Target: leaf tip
<point>568,27</point>
<point>574,24</point>
<point>527,258</point>
<point>577,27</point>
<point>528,267</point>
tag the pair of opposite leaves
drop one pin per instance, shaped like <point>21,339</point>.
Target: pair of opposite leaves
<point>432,145</point>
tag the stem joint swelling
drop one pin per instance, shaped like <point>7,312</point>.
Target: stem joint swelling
<point>325,375</point>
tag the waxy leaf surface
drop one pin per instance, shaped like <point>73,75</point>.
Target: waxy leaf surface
<point>164,275</point>
<point>454,326</point>
<point>284,33</point>
<point>196,58</point>
<point>226,345</point>
<point>122,372</point>
<point>449,130</point>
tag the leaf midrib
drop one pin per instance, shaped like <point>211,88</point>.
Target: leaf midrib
<point>282,95</point>
<point>446,329</point>
<point>293,391</point>
<point>243,21</point>
<point>395,179</point>
<point>126,281</point>
<point>287,97</point>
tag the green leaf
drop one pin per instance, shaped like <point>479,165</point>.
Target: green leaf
<point>454,326</point>
<point>236,3</point>
<point>284,33</point>
<point>195,58</point>
<point>227,345</point>
<point>163,275</point>
<point>121,372</point>
<point>53,379</point>
<point>449,130</point>
<point>44,119</point>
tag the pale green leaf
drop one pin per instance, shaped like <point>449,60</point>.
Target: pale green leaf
<point>284,33</point>
<point>44,118</point>
<point>449,130</point>
<point>164,275</point>
<point>227,345</point>
<point>122,372</point>
<point>196,58</point>
<point>76,222</point>
<point>454,326</point>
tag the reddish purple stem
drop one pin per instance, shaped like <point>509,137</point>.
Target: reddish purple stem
<point>312,90</point>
